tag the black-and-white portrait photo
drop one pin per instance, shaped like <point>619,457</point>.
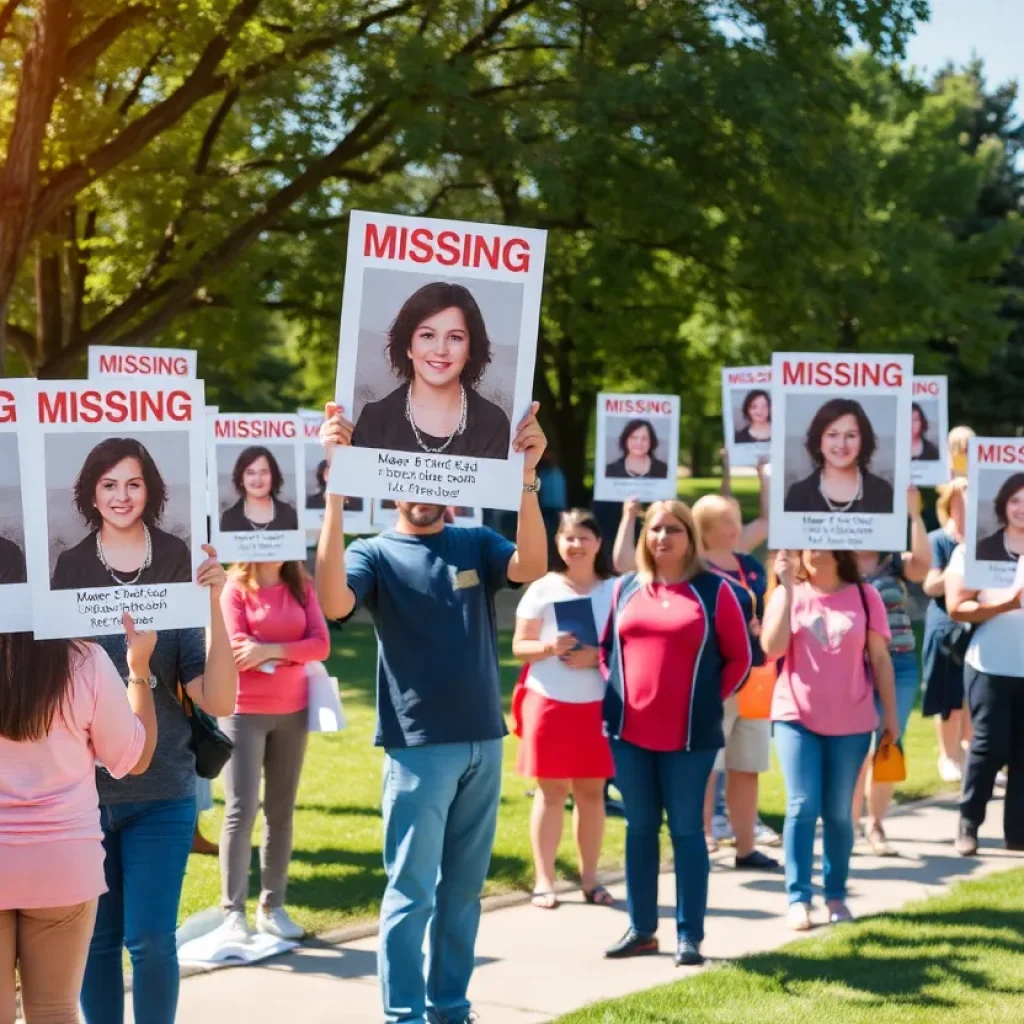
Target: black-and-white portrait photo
<point>12,526</point>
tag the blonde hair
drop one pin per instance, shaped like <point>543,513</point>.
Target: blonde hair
<point>944,502</point>
<point>679,511</point>
<point>958,439</point>
<point>293,576</point>
<point>708,512</point>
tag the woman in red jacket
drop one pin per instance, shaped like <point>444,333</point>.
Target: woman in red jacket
<point>676,646</point>
<point>276,628</point>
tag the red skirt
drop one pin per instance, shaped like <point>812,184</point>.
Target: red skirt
<point>560,740</point>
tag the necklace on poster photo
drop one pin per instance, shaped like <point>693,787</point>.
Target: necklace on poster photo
<point>835,506</point>
<point>460,427</point>
<point>147,561</point>
<point>258,527</point>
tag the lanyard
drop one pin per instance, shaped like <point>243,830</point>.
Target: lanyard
<point>742,581</point>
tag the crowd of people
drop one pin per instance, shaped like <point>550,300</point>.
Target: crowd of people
<point>669,659</point>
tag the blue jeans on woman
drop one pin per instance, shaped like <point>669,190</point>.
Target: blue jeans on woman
<point>654,783</point>
<point>820,773</point>
<point>907,676</point>
<point>147,846</point>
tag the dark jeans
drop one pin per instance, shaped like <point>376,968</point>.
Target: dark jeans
<point>147,846</point>
<point>997,715</point>
<point>653,784</point>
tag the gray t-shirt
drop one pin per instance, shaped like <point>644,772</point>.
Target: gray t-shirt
<point>180,654</point>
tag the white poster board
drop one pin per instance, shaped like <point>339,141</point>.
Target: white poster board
<point>464,515</point>
<point>256,475</point>
<point>840,451</point>
<point>435,359</point>
<point>636,453</point>
<point>115,472</point>
<point>15,600</point>
<point>115,361</point>
<point>747,413</point>
<point>211,495</point>
<point>929,427</point>
<point>994,531</point>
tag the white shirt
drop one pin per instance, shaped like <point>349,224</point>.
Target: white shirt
<point>997,646</point>
<point>550,676</point>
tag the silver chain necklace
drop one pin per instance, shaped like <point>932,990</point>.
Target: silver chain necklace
<point>460,427</point>
<point>835,506</point>
<point>630,472</point>
<point>257,527</point>
<point>146,562</point>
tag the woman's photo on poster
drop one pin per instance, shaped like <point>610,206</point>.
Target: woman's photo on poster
<point>924,418</point>
<point>1000,529</point>
<point>753,417</point>
<point>637,446</point>
<point>263,493</point>
<point>316,489</point>
<point>12,527</point>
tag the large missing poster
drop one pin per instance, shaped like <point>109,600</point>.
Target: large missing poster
<point>929,425</point>
<point>114,361</point>
<point>994,531</point>
<point>840,451</point>
<point>116,473</point>
<point>257,473</point>
<point>435,359</point>
<point>637,447</point>
<point>15,600</point>
<point>747,413</point>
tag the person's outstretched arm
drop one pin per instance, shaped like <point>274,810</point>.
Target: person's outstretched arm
<point>755,533</point>
<point>624,550</point>
<point>332,590</point>
<point>530,560</point>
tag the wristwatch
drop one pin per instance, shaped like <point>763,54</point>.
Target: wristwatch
<point>533,488</point>
<point>142,681</point>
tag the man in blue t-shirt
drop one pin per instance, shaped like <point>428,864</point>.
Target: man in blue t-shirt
<point>430,589</point>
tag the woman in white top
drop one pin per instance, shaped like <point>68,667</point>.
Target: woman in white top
<point>994,684</point>
<point>557,705</point>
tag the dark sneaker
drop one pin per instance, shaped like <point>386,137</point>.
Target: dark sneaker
<point>966,842</point>
<point>688,954</point>
<point>632,944</point>
<point>757,861</point>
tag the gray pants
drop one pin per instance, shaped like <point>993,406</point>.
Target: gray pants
<point>276,746</point>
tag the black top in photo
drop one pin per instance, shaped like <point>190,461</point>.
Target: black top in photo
<point>12,563</point>
<point>233,520</point>
<point>805,496</point>
<point>929,452</point>
<point>744,437</point>
<point>384,424</point>
<point>79,568</point>
<point>617,470</point>
<point>993,548</point>
<point>316,500</point>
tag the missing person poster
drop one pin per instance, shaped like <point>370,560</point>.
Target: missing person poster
<point>15,600</point>
<point>114,361</point>
<point>994,531</point>
<point>115,473</point>
<point>637,447</point>
<point>435,359</point>
<point>929,425</point>
<point>256,473</point>
<point>747,413</point>
<point>840,451</point>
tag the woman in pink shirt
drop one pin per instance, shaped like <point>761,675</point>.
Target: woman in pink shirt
<point>63,709</point>
<point>829,628</point>
<point>276,628</point>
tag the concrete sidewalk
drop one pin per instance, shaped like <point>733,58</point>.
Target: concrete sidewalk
<point>534,965</point>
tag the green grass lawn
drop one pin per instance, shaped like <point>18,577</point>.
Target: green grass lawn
<point>336,876</point>
<point>954,959</point>
<point>744,490</point>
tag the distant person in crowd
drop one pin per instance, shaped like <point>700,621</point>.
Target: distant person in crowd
<point>828,627</point>
<point>921,449</point>
<point>638,442</point>
<point>757,418</point>
<point>957,443</point>
<point>559,706</point>
<point>63,706</point>
<point>889,574</point>
<point>994,681</point>
<point>430,589</point>
<point>675,649</point>
<point>204,802</point>
<point>945,641</point>
<point>148,821</point>
<point>318,499</point>
<point>439,348</point>
<point>121,497</point>
<point>1007,543</point>
<point>12,563</point>
<point>276,628</point>
<point>841,443</point>
<point>257,480</point>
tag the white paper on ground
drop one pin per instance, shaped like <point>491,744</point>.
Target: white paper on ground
<point>201,941</point>
<point>325,711</point>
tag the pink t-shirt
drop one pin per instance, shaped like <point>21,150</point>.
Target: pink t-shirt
<point>50,836</point>
<point>271,615</point>
<point>824,684</point>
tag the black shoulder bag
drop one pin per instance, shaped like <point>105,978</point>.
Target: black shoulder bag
<point>211,747</point>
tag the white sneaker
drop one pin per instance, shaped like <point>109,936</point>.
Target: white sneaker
<point>721,829</point>
<point>765,836</point>
<point>235,927</point>
<point>275,921</point>
<point>1001,779</point>
<point>799,917</point>
<point>949,770</point>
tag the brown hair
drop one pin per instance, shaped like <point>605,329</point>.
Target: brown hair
<point>680,511</point>
<point>35,683</point>
<point>585,520</point>
<point>293,576</point>
<point>846,566</point>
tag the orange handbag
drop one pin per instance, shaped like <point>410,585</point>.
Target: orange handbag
<point>754,699</point>
<point>889,764</point>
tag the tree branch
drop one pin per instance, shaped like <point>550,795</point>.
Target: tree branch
<point>84,54</point>
<point>6,14</point>
<point>491,27</point>
<point>140,80</point>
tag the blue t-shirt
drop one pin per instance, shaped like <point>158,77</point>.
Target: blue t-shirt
<point>432,602</point>
<point>756,580</point>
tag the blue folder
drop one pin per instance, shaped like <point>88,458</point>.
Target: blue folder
<point>577,617</point>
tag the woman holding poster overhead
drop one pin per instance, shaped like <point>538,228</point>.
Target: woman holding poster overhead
<point>257,479</point>
<point>1007,543</point>
<point>637,443</point>
<point>558,622</point>
<point>120,495</point>
<point>840,443</point>
<point>439,348</point>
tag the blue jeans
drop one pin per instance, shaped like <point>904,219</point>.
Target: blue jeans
<point>908,682</point>
<point>653,783</point>
<point>820,773</point>
<point>440,806</point>
<point>147,846</point>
